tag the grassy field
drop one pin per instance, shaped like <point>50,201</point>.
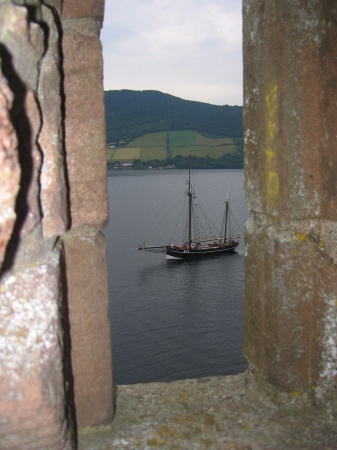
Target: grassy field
<point>151,153</point>
<point>172,143</point>
<point>123,154</point>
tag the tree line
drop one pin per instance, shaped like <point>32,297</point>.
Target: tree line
<point>131,114</point>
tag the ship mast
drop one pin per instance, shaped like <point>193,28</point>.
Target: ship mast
<point>189,193</point>
<point>226,219</point>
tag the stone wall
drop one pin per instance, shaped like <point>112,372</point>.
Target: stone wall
<point>85,248</point>
<point>54,329</point>
<point>290,116</point>
<point>55,370</point>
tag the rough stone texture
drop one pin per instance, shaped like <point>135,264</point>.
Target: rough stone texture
<point>290,79</point>
<point>32,386</point>
<point>282,262</point>
<point>53,185</point>
<point>10,169</point>
<point>85,129</point>
<point>93,9</point>
<point>290,108</point>
<point>20,66</point>
<point>56,4</point>
<point>290,116</point>
<point>41,86</point>
<point>88,312</point>
<point>220,413</point>
<point>85,246</point>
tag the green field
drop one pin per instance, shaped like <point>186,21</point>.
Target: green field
<point>172,143</point>
<point>123,154</point>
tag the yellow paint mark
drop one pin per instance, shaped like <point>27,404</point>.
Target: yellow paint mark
<point>270,155</point>
<point>301,237</point>
<point>273,184</point>
<point>272,100</point>
<point>271,129</point>
<point>272,177</point>
<point>321,244</point>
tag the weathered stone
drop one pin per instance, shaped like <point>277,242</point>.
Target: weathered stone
<point>290,112</point>
<point>283,305</point>
<point>20,65</point>
<point>77,10</point>
<point>53,186</point>
<point>83,26</point>
<point>10,169</point>
<point>217,413</point>
<point>90,327</point>
<point>326,383</point>
<point>290,108</point>
<point>32,385</point>
<point>14,35</point>
<point>57,4</point>
<point>85,129</point>
<point>36,380</point>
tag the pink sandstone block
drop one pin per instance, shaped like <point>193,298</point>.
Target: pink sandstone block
<point>75,9</point>
<point>53,186</point>
<point>89,322</point>
<point>31,339</point>
<point>85,129</point>
<point>10,169</point>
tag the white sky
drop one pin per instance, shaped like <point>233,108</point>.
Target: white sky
<point>187,48</point>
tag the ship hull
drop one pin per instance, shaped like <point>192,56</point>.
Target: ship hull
<point>200,253</point>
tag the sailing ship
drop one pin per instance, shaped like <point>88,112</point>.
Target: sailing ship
<point>197,246</point>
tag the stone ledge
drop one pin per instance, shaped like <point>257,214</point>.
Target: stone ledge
<point>232,412</point>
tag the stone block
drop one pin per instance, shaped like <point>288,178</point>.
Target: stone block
<point>90,328</point>
<point>32,388</point>
<point>10,169</point>
<point>284,307</point>
<point>326,384</point>
<point>21,50</point>
<point>53,186</point>
<point>290,74</point>
<point>85,129</point>
<point>85,9</point>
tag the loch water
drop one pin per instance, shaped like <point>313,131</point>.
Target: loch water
<point>172,319</point>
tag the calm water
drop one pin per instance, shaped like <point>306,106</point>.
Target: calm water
<point>172,319</point>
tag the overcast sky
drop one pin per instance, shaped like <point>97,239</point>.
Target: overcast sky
<point>187,48</point>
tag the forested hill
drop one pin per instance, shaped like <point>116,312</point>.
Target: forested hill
<point>130,114</point>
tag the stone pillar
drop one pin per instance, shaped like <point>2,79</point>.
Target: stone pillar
<point>34,379</point>
<point>290,117</point>
<point>53,202</point>
<point>85,248</point>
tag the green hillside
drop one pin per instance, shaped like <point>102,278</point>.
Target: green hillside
<point>169,144</point>
<point>131,114</point>
<point>160,129</point>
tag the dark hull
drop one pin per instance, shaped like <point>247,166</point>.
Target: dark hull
<point>192,254</point>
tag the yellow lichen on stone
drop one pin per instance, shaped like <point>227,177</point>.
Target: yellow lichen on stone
<point>301,237</point>
<point>296,394</point>
<point>166,431</point>
<point>156,441</point>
